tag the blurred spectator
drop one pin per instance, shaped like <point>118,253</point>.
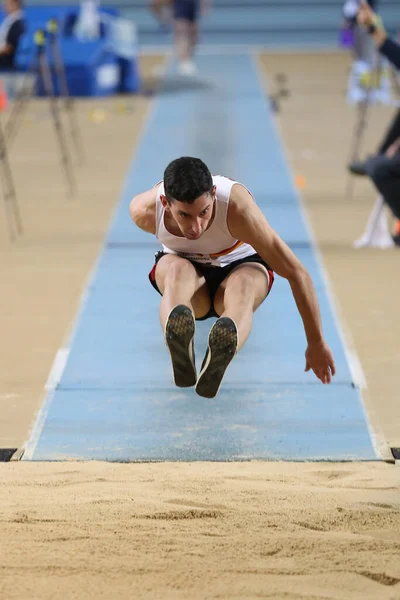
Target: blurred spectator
<point>384,167</point>
<point>384,171</point>
<point>374,26</point>
<point>391,135</point>
<point>11,31</point>
<point>185,16</point>
<point>363,46</point>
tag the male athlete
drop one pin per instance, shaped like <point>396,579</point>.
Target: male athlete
<point>218,260</point>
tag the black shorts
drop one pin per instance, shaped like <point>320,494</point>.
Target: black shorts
<point>214,276</point>
<point>187,10</point>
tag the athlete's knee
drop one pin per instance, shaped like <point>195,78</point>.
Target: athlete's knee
<point>178,269</point>
<point>240,285</point>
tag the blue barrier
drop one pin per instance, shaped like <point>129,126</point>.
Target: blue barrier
<point>93,68</point>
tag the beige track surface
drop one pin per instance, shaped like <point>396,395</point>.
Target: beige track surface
<point>193,531</point>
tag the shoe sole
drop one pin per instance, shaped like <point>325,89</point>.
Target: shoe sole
<point>222,345</point>
<point>179,334</point>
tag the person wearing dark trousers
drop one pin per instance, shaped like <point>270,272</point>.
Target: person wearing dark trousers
<point>391,135</point>
<point>11,30</point>
<point>384,172</point>
<point>383,168</point>
<point>372,23</point>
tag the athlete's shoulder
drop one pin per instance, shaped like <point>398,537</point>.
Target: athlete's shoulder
<point>223,178</point>
<point>224,186</point>
<point>159,186</point>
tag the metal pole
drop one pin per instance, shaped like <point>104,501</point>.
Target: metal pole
<point>40,40</point>
<point>9,194</point>
<point>53,29</point>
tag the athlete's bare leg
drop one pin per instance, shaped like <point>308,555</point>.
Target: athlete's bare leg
<point>185,296</point>
<point>236,300</point>
<point>180,283</point>
<point>239,296</point>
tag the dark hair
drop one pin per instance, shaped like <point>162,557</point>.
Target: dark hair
<point>186,179</point>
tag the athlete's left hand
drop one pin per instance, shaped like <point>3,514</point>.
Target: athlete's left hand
<point>319,358</point>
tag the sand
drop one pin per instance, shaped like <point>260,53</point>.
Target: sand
<point>194,531</point>
<point>234,531</point>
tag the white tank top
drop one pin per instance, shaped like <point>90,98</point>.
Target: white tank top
<point>215,246</point>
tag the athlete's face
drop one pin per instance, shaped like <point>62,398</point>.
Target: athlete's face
<point>192,219</point>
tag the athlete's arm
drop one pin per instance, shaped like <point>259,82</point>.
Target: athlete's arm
<point>247,223</point>
<point>143,210</point>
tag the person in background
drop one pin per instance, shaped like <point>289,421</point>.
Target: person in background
<point>384,167</point>
<point>363,47</point>
<point>11,30</point>
<point>185,15</point>
<point>374,25</point>
<point>391,135</point>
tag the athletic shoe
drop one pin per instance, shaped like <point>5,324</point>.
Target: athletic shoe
<point>187,68</point>
<point>179,337</point>
<point>222,344</point>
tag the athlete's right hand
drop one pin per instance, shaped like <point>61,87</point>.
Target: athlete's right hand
<point>319,359</point>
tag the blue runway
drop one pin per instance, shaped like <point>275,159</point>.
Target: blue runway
<point>116,399</point>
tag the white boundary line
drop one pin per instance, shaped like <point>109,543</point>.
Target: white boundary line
<point>378,440</point>
<point>58,367</point>
<point>62,355</point>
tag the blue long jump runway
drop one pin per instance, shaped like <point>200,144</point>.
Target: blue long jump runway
<point>116,399</point>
